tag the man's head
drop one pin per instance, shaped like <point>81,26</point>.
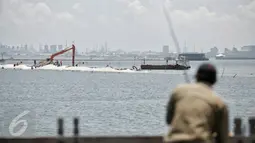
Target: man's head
<point>206,73</point>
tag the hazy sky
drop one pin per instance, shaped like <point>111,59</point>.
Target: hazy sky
<point>128,24</point>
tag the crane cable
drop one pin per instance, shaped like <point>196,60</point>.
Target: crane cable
<point>172,34</point>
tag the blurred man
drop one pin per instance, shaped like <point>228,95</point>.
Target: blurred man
<point>195,114</point>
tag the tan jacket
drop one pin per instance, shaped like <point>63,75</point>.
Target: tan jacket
<point>194,112</point>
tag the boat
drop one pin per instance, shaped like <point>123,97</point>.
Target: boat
<point>220,56</point>
<point>246,53</point>
<point>194,56</point>
<point>164,67</point>
<point>180,64</point>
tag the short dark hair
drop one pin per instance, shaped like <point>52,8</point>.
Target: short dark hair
<point>206,73</point>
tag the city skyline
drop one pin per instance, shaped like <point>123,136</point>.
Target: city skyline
<point>98,47</point>
<point>104,47</point>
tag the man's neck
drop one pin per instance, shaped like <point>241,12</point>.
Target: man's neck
<point>206,83</point>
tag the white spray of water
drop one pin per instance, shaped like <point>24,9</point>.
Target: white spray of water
<point>104,70</point>
<point>69,68</point>
<point>173,35</point>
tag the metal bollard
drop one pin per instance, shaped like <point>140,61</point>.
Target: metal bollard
<point>238,126</point>
<point>76,127</point>
<point>252,125</point>
<point>60,128</point>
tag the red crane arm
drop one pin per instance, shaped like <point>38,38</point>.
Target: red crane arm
<point>61,52</point>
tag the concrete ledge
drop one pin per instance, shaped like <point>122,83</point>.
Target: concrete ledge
<point>133,139</point>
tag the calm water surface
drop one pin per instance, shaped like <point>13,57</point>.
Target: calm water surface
<point>112,103</point>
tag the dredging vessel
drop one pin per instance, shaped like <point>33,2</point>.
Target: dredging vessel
<point>180,64</point>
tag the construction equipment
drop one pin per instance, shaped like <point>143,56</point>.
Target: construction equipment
<point>50,60</point>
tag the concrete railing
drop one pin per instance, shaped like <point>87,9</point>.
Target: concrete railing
<point>133,139</point>
<point>237,138</point>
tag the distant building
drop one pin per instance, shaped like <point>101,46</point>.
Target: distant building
<point>248,48</point>
<point>102,50</point>
<point>46,49</point>
<point>213,52</point>
<point>60,47</point>
<point>40,48</point>
<point>194,56</point>
<point>26,47</point>
<point>31,48</point>
<point>234,49</point>
<point>165,50</point>
<point>246,52</point>
<point>226,50</point>
<point>53,48</point>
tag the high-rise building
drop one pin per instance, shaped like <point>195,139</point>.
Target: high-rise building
<point>26,47</point>
<point>46,49</point>
<point>60,47</point>
<point>40,48</point>
<point>53,48</point>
